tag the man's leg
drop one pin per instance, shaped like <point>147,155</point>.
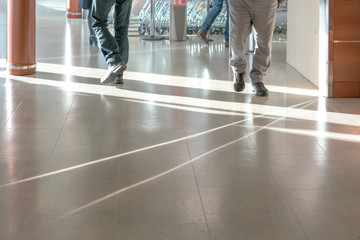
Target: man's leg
<point>92,37</point>
<point>121,26</point>
<point>240,29</point>
<point>106,42</point>
<point>264,13</point>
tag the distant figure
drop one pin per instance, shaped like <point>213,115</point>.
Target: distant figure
<point>210,18</point>
<point>115,49</point>
<point>86,4</point>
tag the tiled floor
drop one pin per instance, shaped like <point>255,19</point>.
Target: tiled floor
<point>173,153</point>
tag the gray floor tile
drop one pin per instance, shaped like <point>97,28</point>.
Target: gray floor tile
<point>240,178</point>
<point>251,200</point>
<point>64,193</point>
<point>27,141</point>
<point>254,226</point>
<point>44,227</point>
<point>12,209</point>
<point>159,206</point>
<point>284,143</point>
<point>326,213</point>
<point>228,138</point>
<point>157,170</point>
<point>14,168</point>
<point>221,160</point>
<point>145,230</point>
<point>306,171</point>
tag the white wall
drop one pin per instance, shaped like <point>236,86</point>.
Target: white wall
<point>304,52</point>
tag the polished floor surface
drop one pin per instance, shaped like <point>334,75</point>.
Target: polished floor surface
<point>173,153</point>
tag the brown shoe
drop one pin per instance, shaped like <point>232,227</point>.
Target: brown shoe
<point>226,44</point>
<point>239,82</point>
<point>202,35</point>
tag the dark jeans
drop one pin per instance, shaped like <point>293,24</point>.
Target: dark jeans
<point>89,20</point>
<point>115,49</point>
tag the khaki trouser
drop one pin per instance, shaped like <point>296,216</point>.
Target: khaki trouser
<point>243,15</point>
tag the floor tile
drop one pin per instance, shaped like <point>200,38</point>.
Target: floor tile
<point>14,168</point>
<point>28,141</point>
<point>284,143</point>
<point>159,206</point>
<point>306,171</point>
<point>44,227</point>
<point>254,226</point>
<point>144,230</point>
<point>326,213</point>
<point>69,192</point>
<point>241,200</point>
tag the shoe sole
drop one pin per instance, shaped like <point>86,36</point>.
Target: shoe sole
<point>260,94</point>
<point>201,37</point>
<point>118,70</point>
<point>118,81</point>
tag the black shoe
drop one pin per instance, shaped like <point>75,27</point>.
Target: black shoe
<point>260,89</point>
<point>119,80</point>
<point>239,83</point>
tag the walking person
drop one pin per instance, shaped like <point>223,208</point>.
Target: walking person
<point>86,4</point>
<point>210,18</point>
<point>244,15</point>
<point>114,48</point>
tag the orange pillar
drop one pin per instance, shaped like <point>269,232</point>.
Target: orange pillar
<point>21,37</point>
<point>73,9</point>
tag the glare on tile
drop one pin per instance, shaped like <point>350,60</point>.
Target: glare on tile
<point>169,80</point>
<point>68,54</point>
<point>320,134</point>
<point>332,117</point>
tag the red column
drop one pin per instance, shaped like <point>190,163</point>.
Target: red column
<point>21,37</point>
<point>73,9</point>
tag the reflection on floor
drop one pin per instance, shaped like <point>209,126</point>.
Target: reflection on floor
<point>173,153</point>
